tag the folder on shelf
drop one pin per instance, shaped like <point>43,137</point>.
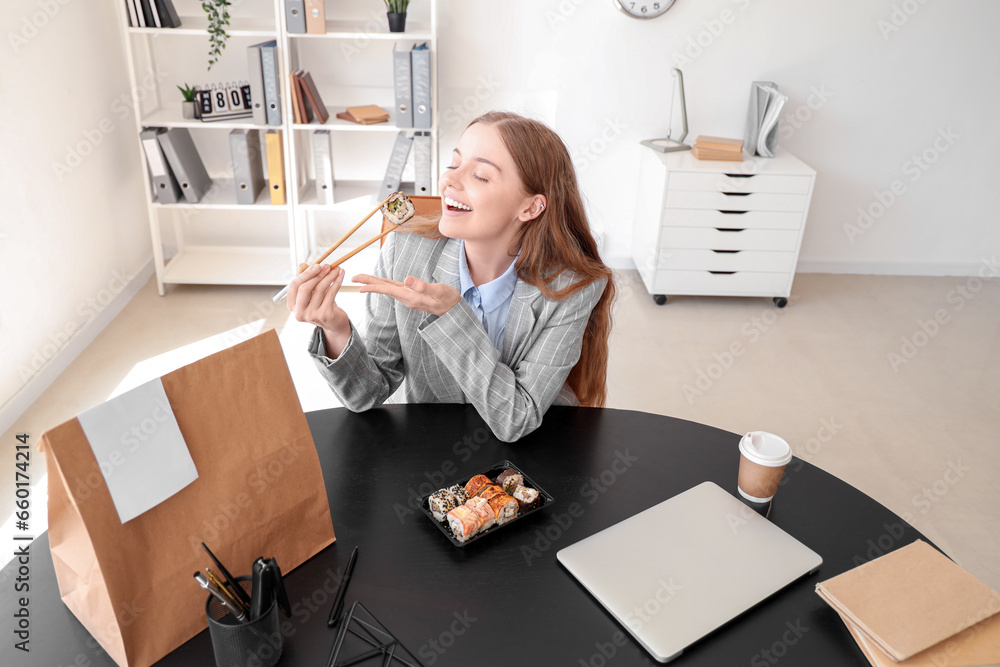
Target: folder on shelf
<point>401,80</point>
<point>133,18</point>
<point>313,97</point>
<point>140,20</point>
<point>165,186</point>
<point>316,17</point>
<point>323,166</point>
<point>422,164</point>
<point>394,170</point>
<point>185,162</point>
<point>146,13</point>
<point>248,171</point>
<point>366,115</point>
<point>295,16</point>
<point>420,59</point>
<point>168,15</point>
<point>909,600</point>
<point>275,166</point>
<point>154,14</point>
<point>269,68</point>
<point>257,84</point>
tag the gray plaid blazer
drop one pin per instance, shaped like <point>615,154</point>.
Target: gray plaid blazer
<point>450,359</point>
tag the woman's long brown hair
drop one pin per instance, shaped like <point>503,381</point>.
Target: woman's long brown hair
<point>558,240</point>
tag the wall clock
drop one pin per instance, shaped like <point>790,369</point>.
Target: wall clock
<point>644,9</point>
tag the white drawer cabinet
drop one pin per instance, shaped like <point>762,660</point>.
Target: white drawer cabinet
<point>714,228</point>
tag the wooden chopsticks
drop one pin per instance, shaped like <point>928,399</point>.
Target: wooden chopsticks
<point>348,235</point>
<point>284,292</point>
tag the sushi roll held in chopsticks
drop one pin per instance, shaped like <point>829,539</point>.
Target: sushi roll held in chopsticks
<point>464,522</point>
<point>398,208</point>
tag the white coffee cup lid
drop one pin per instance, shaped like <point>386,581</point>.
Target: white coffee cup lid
<point>766,449</point>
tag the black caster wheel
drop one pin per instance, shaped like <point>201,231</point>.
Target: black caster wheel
<point>659,299</point>
<point>780,301</point>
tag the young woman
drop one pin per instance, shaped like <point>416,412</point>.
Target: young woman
<point>501,301</point>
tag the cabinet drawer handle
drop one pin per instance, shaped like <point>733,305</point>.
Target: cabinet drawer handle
<point>731,212</point>
<point>741,175</point>
<point>728,252</point>
<point>729,229</point>
<point>737,194</point>
<point>723,273</point>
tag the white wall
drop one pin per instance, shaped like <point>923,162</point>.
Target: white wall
<point>73,227</point>
<point>602,80</point>
<point>864,100</point>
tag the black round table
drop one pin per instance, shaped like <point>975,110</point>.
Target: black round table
<point>505,599</point>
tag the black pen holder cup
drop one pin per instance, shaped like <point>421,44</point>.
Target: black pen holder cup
<point>236,644</point>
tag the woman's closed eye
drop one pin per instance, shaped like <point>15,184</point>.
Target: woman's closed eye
<point>474,175</point>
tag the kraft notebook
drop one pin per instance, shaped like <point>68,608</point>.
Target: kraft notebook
<point>909,600</point>
<point>977,646</point>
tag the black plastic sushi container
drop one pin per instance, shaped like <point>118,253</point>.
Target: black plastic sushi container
<point>492,472</point>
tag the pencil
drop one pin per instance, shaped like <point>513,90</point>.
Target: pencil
<point>224,590</point>
<point>338,602</point>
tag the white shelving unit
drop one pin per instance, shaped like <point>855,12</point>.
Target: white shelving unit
<point>217,241</point>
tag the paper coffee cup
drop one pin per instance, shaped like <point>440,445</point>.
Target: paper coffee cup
<point>763,457</point>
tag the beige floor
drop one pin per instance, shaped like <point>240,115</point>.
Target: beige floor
<point>918,432</point>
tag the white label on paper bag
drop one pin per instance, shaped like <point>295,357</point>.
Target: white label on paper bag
<point>139,447</point>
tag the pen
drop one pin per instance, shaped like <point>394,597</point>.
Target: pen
<point>225,591</point>
<point>230,579</point>
<point>338,603</point>
<point>208,586</point>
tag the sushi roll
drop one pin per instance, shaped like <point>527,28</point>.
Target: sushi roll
<point>489,491</point>
<point>527,498</point>
<point>510,480</point>
<point>398,208</point>
<point>464,522</point>
<point>473,486</point>
<point>504,507</point>
<point>460,494</point>
<point>485,512</point>
<point>441,502</point>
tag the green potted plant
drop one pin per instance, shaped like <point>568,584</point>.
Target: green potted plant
<point>397,14</point>
<point>188,107</point>
<point>218,19</point>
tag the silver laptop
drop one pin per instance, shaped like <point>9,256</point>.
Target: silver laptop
<point>675,572</point>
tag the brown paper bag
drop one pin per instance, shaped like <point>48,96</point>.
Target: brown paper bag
<point>259,492</point>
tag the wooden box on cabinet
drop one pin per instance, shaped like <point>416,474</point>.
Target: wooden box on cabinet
<point>714,228</point>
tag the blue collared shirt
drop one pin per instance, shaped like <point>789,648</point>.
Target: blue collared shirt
<point>490,301</point>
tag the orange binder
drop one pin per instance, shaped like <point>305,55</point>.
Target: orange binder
<point>275,166</point>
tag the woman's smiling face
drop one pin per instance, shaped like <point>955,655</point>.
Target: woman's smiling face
<point>482,177</point>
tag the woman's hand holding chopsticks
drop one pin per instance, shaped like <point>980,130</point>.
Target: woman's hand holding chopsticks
<point>312,298</point>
